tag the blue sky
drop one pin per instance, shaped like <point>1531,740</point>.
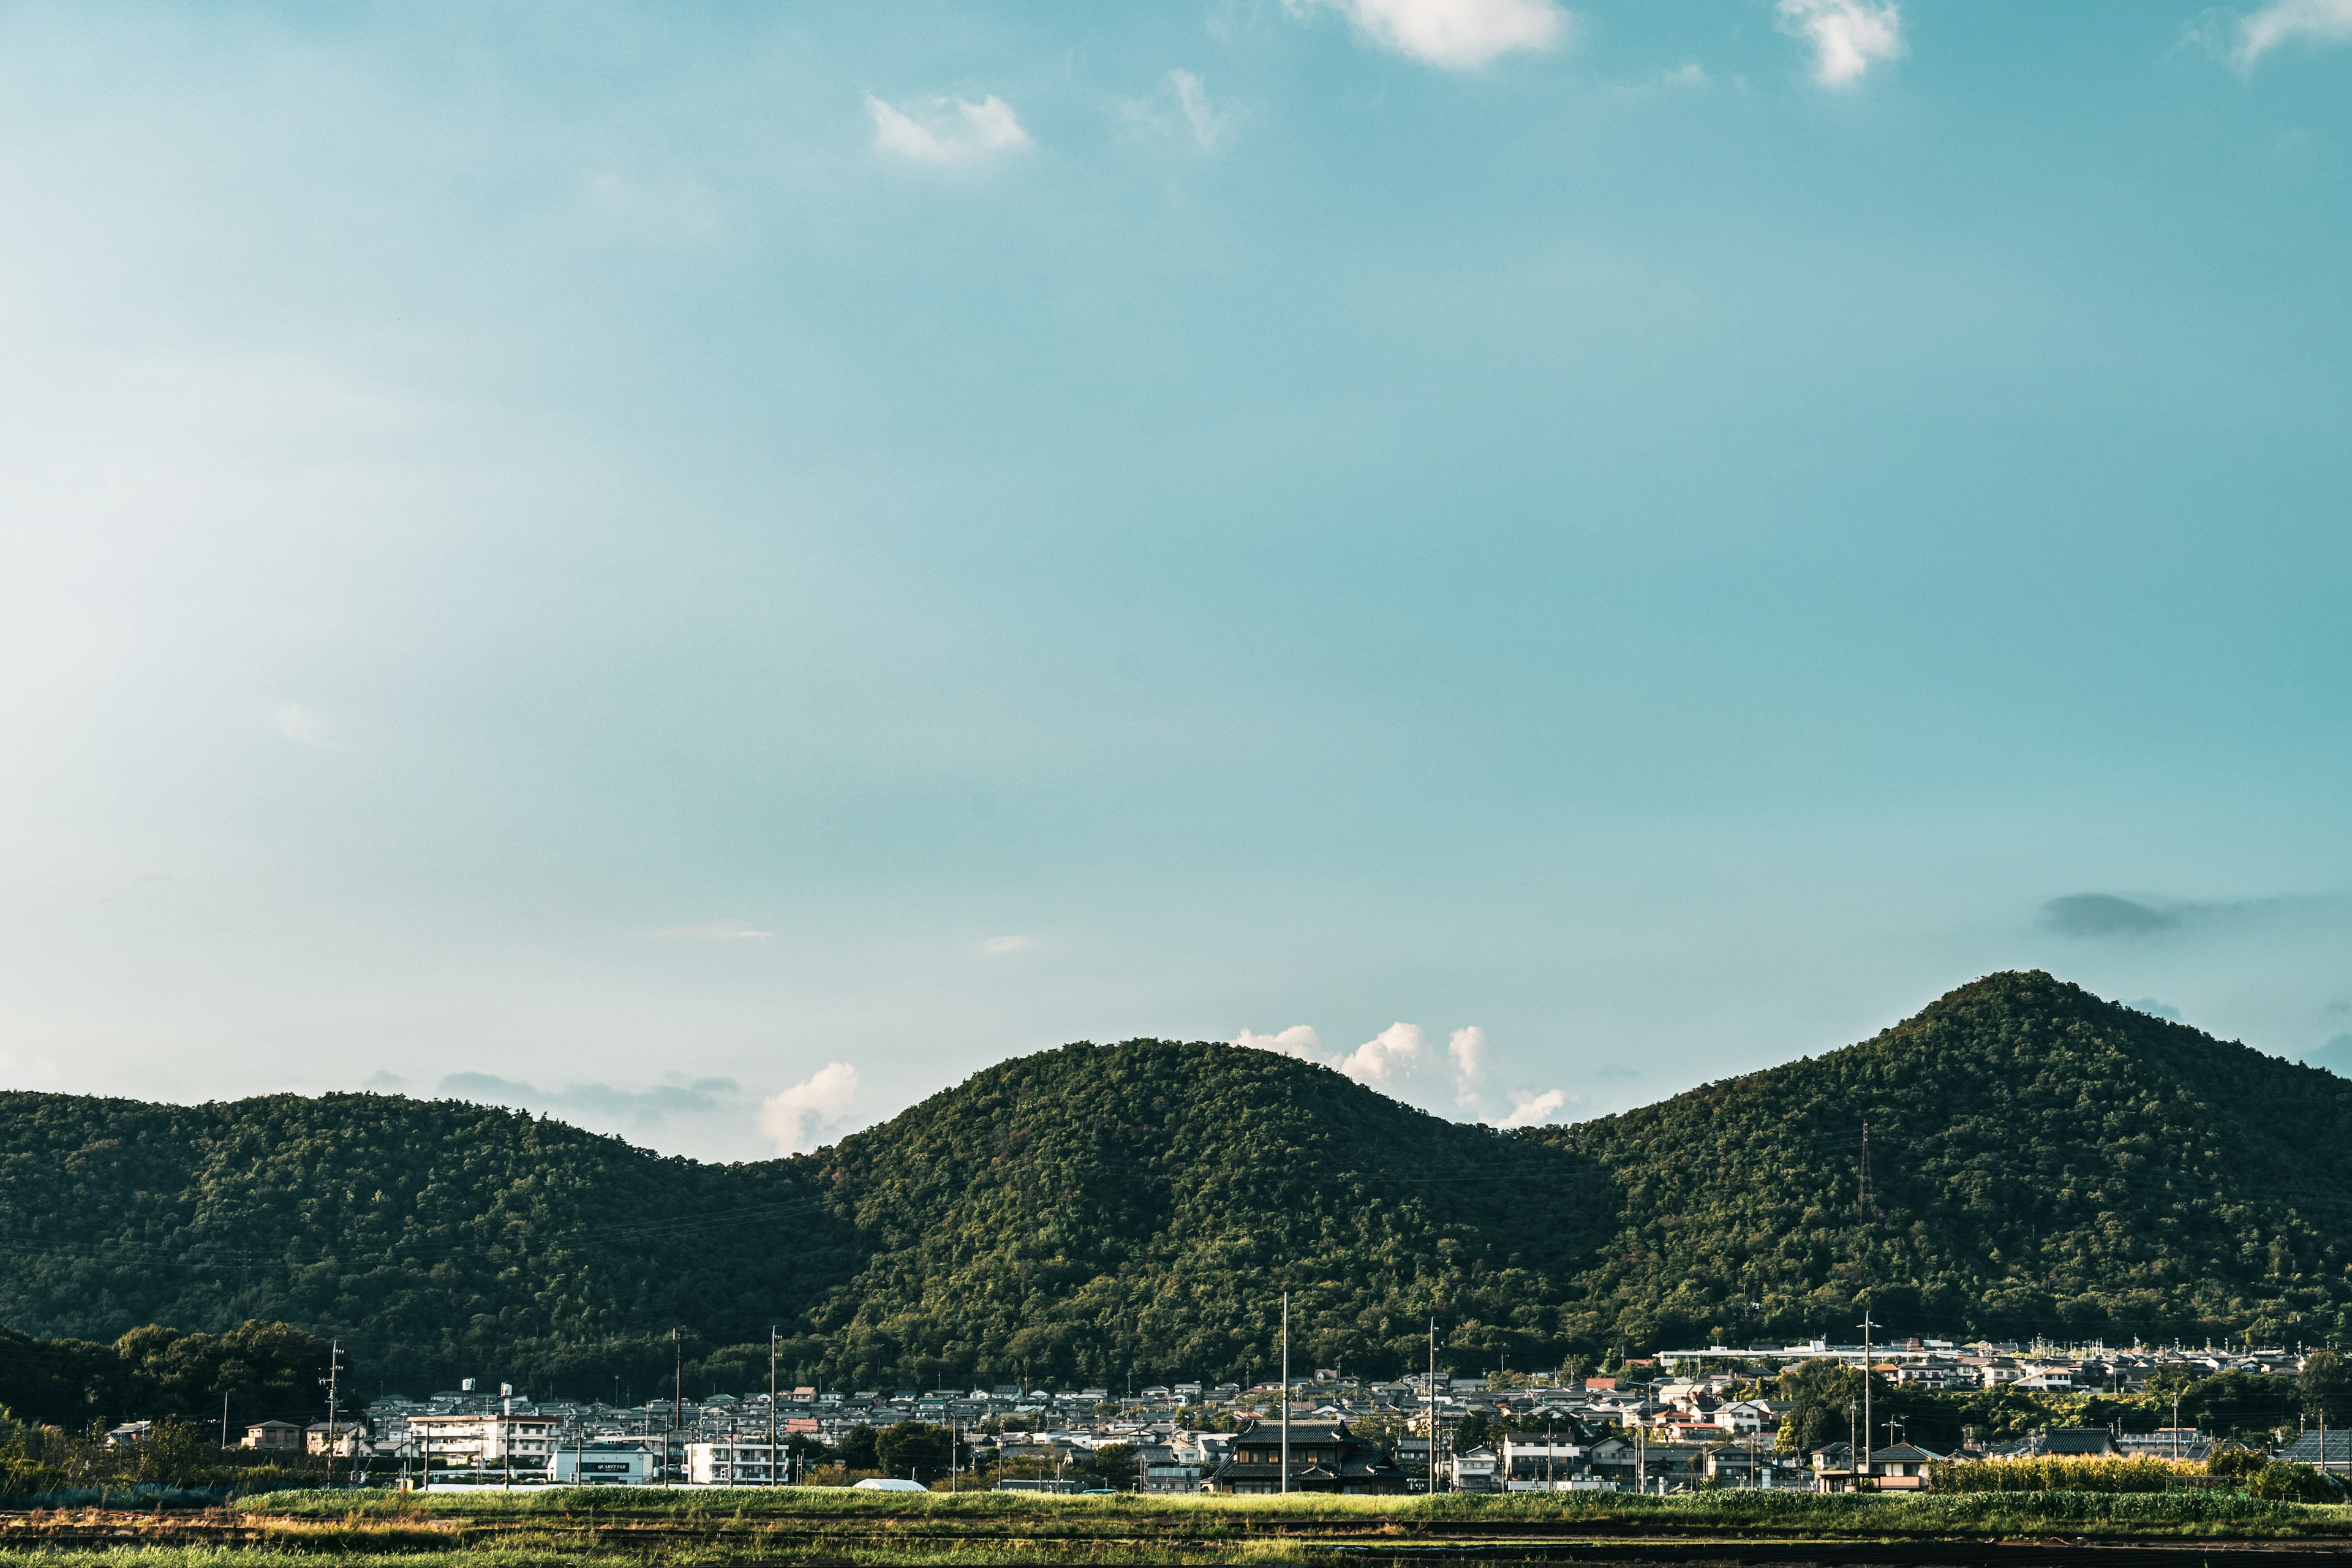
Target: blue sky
<point>715,569</point>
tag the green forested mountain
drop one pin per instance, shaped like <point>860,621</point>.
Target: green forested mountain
<point>2040,1160</point>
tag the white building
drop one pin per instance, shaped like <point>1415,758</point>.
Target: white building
<point>1534,1466</point>
<point>483,1442</point>
<point>604,1464</point>
<point>737,1462</point>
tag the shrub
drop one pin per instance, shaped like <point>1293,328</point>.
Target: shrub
<point>2285,1482</point>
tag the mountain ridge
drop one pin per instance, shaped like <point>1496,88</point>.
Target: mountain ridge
<point>2043,1160</point>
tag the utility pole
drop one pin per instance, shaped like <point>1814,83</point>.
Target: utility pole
<point>677,1393</point>
<point>1286,1393</point>
<point>771,1405</point>
<point>1853,1441</point>
<point>1641,1445</point>
<point>1430,1398</point>
<point>223,1419</point>
<point>334,1370</point>
<point>1866,1325</point>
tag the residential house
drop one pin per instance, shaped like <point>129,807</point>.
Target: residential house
<point>2167,1443</point>
<point>1547,1466</point>
<point>1744,1465</point>
<point>1478,1470</point>
<point>1325,1457</point>
<point>273,1435</point>
<point>346,1437</point>
<point>1901,1467</point>
<point>1833,1467</point>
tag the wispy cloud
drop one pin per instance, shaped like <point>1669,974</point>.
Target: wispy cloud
<point>800,1118</point>
<point>2155,1009</point>
<point>1459,35</point>
<point>1847,36</point>
<point>600,1102</point>
<point>304,726</point>
<point>947,130</point>
<point>1208,123</point>
<point>2105,914</point>
<point>2317,23</point>
<point>711,930</point>
<point>1008,944</point>
<point>2115,916</point>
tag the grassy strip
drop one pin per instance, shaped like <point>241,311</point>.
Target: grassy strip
<point>1205,1519</point>
<point>527,1551</point>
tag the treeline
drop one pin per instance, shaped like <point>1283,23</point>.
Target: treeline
<point>2042,1161</point>
<point>256,1371</point>
<point>1825,1398</point>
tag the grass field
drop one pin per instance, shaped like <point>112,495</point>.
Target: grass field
<point>812,1527</point>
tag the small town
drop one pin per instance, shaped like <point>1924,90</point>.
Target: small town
<point>1678,1421</point>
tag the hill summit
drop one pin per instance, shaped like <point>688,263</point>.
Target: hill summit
<point>2040,1160</point>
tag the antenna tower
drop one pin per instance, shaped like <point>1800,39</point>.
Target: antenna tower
<point>1863,1209</point>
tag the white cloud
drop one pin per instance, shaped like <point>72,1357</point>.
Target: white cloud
<point>1298,1040</point>
<point>1534,1110</point>
<point>1690,74</point>
<point>1847,36</point>
<point>1007,944</point>
<point>1398,1062</point>
<point>304,727</point>
<point>712,931</point>
<point>1395,1050</point>
<point>800,1117</point>
<point>2291,21</point>
<point>947,130</point>
<point>1466,1049</point>
<point>1460,34</point>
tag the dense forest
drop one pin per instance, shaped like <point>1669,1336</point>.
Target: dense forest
<point>254,1372</point>
<point>2040,1161</point>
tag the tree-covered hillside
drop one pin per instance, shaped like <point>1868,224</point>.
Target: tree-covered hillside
<point>437,1238</point>
<point>1100,1208</point>
<point>2040,1161</point>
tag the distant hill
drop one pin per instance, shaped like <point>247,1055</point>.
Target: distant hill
<point>2040,1161</point>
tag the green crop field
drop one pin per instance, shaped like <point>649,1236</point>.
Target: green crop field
<point>823,1526</point>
